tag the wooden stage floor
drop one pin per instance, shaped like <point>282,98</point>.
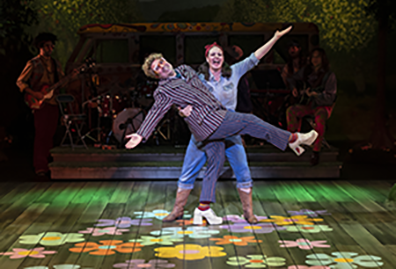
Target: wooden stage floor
<point>102,224</point>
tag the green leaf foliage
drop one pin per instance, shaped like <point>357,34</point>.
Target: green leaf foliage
<point>65,17</point>
<point>344,25</point>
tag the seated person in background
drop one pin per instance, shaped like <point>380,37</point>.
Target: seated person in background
<point>320,95</point>
<point>295,62</point>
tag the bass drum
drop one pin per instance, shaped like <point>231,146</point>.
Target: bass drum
<point>127,122</point>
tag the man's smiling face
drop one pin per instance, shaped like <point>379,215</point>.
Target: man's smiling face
<point>162,68</point>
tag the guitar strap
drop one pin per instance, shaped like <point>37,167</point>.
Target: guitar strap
<point>324,80</point>
<point>56,75</point>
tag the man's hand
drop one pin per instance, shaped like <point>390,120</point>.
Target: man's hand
<point>294,92</point>
<point>185,112</point>
<point>311,93</point>
<point>134,140</point>
<point>279,34</point>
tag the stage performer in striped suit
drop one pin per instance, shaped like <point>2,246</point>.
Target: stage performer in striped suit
<point>210,123</point>
<point>222,81</point>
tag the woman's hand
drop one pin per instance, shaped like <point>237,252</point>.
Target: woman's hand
<point>279,34</point>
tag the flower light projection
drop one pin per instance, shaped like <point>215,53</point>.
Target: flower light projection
<point>189,252</point>
<point>344,260</point>
<point>256,261</point>
<point>308,267</point>
<point>303,243</point>
<point>19,253</point>
<point>106,247</point>
<point>139,264</point>
<point>297,219</point>
<point>123,222</point>
<point>51,239</point>
<point>191,232</point>
<point>160,240</point>
<point>235,240</point>
<point>158,214</point>
<point>259,228</point>
<point>240,219</point>
<point>309,228</point>
<point>59,266</point>
<point>103,231</point>
<point>189,222</point>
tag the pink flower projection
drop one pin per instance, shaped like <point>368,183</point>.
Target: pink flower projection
<point>18,253</point>
<point>304,244</point>
<point>307,267</point>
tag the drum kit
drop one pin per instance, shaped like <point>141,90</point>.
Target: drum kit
<point>118,114</point>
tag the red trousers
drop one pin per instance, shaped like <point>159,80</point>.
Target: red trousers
<point>45,124</point>
<point>295,113</point>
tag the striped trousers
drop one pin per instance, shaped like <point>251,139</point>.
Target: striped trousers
<point>235,123</point>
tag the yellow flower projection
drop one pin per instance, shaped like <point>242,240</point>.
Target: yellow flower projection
<point>235,240</point>
<point>189,252</point>
<point>297,219</point>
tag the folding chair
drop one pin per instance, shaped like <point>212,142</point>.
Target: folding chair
<point>70,120</point>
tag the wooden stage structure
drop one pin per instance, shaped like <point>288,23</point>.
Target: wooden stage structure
<point>304,224</point>
<point>164,162</point>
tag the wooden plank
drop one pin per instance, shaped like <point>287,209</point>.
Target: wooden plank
<point>20,201</point>
<point>87,192</point>
<point>338,240</point>
<point>371,244</point>
<point>110,211</point>
<point>9,236</point>
<point>157,199</point>
<point>360,221</point>
<point>153,195</point>
<point>6,187</point>
<point>60,216</point>
<point>375,218</point>
<point>52,192</point>
<point>233,206</point>
<point>25,193</point>
<point>122,192</point>
<point>89,207</point>
<point>194,199</point>
<point>50,217</point>
<point>340,237</point>
<point>278,206</point>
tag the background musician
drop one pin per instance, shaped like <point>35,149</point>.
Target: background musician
<point>319,97</point>
<point>40,71</point>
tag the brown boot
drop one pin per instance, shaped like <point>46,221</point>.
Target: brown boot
<point>178,208</point>
<point>246,199</point>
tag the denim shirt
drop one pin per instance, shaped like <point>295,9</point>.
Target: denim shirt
<point>226,89</point>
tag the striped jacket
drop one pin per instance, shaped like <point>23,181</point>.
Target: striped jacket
<point>207,113</point>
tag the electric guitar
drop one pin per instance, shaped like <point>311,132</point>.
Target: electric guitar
<point>302,97</point>
<point>48,91</point>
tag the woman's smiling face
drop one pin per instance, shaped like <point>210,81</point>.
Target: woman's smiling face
<point>215,58</point>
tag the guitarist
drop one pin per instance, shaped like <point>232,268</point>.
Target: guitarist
<point>40,71</point>
<point>320,95</point>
